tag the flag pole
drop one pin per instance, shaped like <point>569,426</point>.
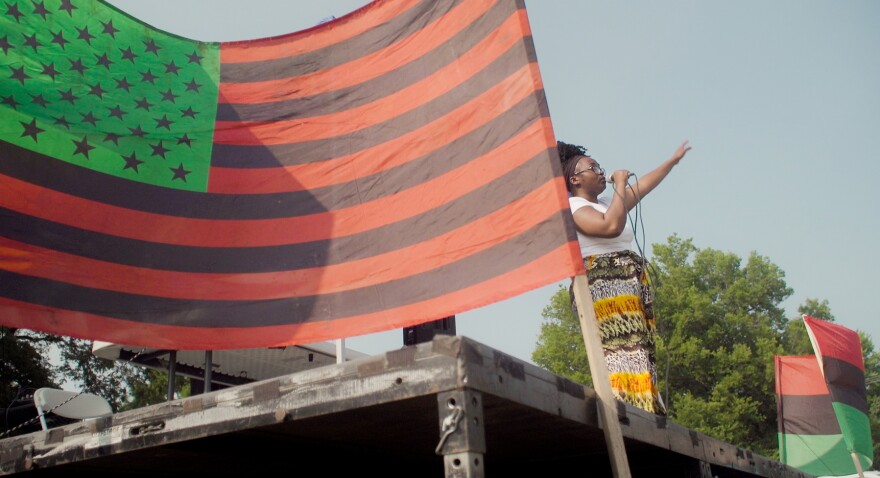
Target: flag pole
<point>855,457</point>
<point>601,382</point>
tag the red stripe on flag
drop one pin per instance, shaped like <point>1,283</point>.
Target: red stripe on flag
<point>315,38</point>
<point>799,376</point>
<point>94,216</point>
<point>836,341</point>
<point>358,71</point>
<point>501,97</point>
<point>456,245</point>
<point>554,266</point>
<point>393,105</point>
<point>338,170</point>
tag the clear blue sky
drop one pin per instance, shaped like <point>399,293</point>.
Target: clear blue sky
<point>780,100</point>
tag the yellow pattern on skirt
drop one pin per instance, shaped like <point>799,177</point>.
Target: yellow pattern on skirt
<point>624,309</point>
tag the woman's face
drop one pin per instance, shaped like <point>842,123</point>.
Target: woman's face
<point>590,175</point>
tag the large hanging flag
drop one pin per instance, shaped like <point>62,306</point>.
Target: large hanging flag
<point>390,167</point>
<point>809,434</point>
<point>839,354</point>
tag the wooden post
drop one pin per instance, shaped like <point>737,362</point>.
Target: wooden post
<point>172,371</point>
<point>601,382</point>
<point>209,369</point>
<point>855,457</point>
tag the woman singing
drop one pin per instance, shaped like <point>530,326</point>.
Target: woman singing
<point>621,293</point>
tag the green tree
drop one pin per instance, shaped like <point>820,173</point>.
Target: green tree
<point>721,326</point>
<point>795,338</point>
<point>90,373</point>
<point>22,364</point>
<point>152,387</point>
<point>25,364</point>
<point>560,346</point>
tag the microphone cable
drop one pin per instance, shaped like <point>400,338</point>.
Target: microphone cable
<point>636,221</point>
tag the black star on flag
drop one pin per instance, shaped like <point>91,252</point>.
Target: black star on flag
<point>179,173</point>
<point>39,100</point>
<point>18,74</point>
<point>67,6</point>
<point>49,70</point>
<point>10,100</point>
<point>170,67</point>
<point>85,35</point>
<point>159,149</point>
<point>97,90</point>
<point>163,122</point>
<point>31,41</point>
<point>109,29</point>
<point>90,119</point>
<point>68,96</point>
<point>58,39</point>
<point>149,77</point>
<point>104,61</point>
<point>40,9</point>
<point>131,162</point>
<point>193,86</point>
<point>5,45</point>
<point>116,112</point>
<point>31,129</point>
<point>83,147</point>
<point>137,131</point>
<point>127,54</point>
<point>123,84</point>
<point>13,11</point>
<point>77,65</point>
<point>151,47</point>
<point>112,138</point>
<point>62,121</point>
<point>169,96</point>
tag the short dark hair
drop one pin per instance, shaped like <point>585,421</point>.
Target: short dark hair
<point>569,155</point>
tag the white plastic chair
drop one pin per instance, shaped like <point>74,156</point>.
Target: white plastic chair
<point>84,406</point>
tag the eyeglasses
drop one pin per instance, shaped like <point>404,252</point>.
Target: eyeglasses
<point>594,168</point>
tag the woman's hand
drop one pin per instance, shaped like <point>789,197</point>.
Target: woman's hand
<point>680,152</point>
<point>620,176</point>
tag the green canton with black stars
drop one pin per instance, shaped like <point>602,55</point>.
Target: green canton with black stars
<point>82,82</point>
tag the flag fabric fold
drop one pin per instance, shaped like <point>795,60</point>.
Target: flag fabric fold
<point>839,355</point>
<point>393,166</point>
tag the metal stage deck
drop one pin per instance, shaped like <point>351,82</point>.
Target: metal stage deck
<point>488,414</point>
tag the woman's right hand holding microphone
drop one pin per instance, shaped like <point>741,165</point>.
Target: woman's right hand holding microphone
<point>620,176</point>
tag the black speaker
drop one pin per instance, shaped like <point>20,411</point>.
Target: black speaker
<point>425,332</point>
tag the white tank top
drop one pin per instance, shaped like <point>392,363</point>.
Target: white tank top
<point>590,245</point>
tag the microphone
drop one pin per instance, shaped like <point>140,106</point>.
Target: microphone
<point>611,180</point>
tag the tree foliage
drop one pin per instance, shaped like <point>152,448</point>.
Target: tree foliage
<point>720,322</point>
<point>30,360</point>
<point>22,364</point>
<point>560,347</point>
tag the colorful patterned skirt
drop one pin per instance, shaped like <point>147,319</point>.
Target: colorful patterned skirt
<point>623,303</point>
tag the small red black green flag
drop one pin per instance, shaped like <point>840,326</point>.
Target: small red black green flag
<point>809,433</point>
<point>822,404</point>
<point>841,361</point>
